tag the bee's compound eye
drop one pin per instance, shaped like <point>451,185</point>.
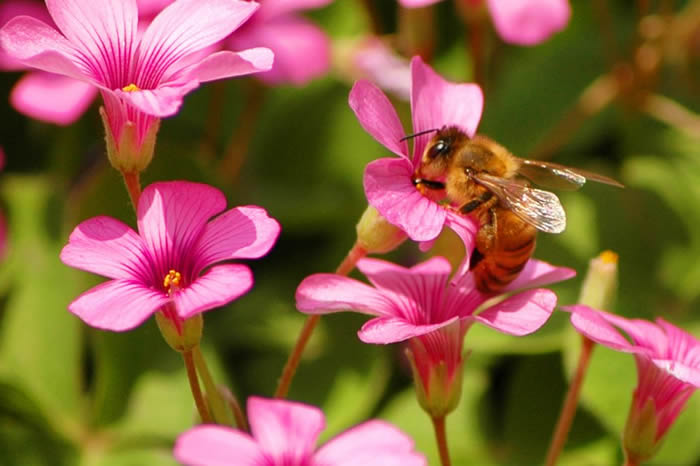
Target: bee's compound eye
<point>439,148</point>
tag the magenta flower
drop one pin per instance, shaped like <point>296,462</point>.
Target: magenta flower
<point>170,263</point>
<point>141,77</point>
<point>418,304</point>
<point>302,49</point>
<point>285,433</point>
<point>668,371</point>
<point>521,22</point>
<point>389,181</point>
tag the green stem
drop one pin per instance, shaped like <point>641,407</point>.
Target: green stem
<point>132,182</point>
<point>221,414</point>
<point>441,439</point>
<point>194,386</point>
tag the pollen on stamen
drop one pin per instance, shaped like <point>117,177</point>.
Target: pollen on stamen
<point>172,280</point>
<point>131,88</point>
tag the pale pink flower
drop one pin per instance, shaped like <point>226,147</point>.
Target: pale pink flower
<point>373,59</point>
<point>171,261</point>
<point>668,371</point>
<point>521,22</point>
<point>420,305</point>
<point>285,433</point>
<point>302,49</point>
<point>141,77</point>
<point>388,182</point>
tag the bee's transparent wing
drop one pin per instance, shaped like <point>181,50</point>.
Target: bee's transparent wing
<point>539,208</point>
<point>553,175</point>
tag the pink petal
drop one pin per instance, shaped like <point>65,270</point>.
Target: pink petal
<point>162,102</point>
<point>286,431</point>
<point>436,103</point>
<point>682,372</point>
<point>683,346</point>
<point>51,97</point>
<point>302,50</point>
<point>466,228</point>
<point>378,117</point>
<point>117,305</point>
<point>538,273</point>
<point>185,27</point>
<point>385,330</point>
<point>171,217</point>
<point>389,189</point>
<point>149,8</point>
<point>277,8</point>
<point>217,446</point>
<point>324,293</point>
<point>227,64</point>
<point>8,10</point>
<point>242,233</point>
<point>107,247</point>
<point>520,314</point>
<point>528,22</point>
<point>104,31</point>
<point>595,325</point>
<point>373,443</point>
<point>218,286</point>
<point>38,45</point>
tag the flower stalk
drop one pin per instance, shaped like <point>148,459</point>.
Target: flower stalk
<point>219,409</point>
<point>194,387</point>
<point>441,439</point>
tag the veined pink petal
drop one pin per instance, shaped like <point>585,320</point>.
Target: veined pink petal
<point>103,30</point>
<point>36,44</point>
<point>323,293</point>
<point>217,446</point>
<point>117,305</point>
<point>161,102</point>
<point>595,325</point>
<point>287,432</point>
<point>389,189</point>
<point>148,8</point>
<point>277,8</point>
<point>683,372</point>
<point>302,50</point>
<point>373,443</point>
<point>385,330</point>
<point>538,273</point>
<point>52,97</point>
<point>172,215</point>
<point>228,64</point>
<point>529,22</point>
<point>12,8</point>
<point>521,314</point>
<point>218,286</point>
<point>246,232</point>
<point>436,103</point>
<point>185,27</point>
<point>682,345</point>
<point>108,247</point>
<point>378,117</point>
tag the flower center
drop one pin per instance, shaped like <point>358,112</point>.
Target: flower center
<point>131,88</point>
<point>172,281</point>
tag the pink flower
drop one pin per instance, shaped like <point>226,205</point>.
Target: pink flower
<point>389,181</point>
<point>169,263</point>
<point>285,433</point>
<point>521,22</point>
<point>373,59</point>
<point>419,305</point>
<point>302,50</point>
<point>668,371</point>
<point>141,77</point>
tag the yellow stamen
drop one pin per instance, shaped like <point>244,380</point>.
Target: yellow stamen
<point>172,280</point>
<point>131,88</point>
<point>608,257</point>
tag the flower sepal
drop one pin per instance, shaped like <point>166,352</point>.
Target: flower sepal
<point>640,439</point>
<point>181,335</point>
<point>376,235</point>
<point>127,153</point>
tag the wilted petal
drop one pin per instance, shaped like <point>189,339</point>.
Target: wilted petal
<point>117,305</point>
<point>218,286</point>
<point>217,446</point>
<point>385,330</point>
<point>228,64</point>
<point>287,432</point>
<point>52,97</point>
<point>436,103</point>
<point>378,117</point>
<point>389,189</point>
<point>107,247</point>
<point>246,232</point>
<point>529,22</point>
<point>323,293</point>
<point>520,314</point>
<point>373,443</point>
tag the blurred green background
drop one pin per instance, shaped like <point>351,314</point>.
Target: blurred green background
<point>70,394</point>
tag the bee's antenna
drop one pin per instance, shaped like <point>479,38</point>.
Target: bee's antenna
<point>419,133</point>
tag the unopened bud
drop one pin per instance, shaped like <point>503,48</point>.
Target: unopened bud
<point>600,285</point>
<point>376,235</point>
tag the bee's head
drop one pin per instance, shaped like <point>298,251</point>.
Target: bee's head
<point>440,151</point>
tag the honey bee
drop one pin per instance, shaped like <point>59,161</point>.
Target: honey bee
<point>480,177</point>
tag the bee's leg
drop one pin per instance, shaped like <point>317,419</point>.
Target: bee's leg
<point>485,238</point>
<point>474,203</point>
